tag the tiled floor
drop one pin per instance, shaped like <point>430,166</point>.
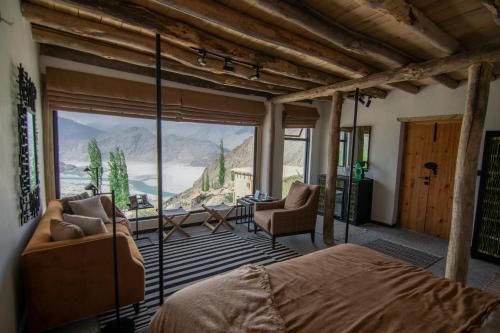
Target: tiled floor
<point>480,272</point>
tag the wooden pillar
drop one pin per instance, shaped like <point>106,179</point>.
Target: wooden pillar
<point>331,175</point>
<point>48,145</point>
<point>272,135</point>
<point>478,86</point>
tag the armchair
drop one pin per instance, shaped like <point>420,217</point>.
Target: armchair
<point>280,218</point>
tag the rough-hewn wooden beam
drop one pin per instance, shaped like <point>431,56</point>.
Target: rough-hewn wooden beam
<point>269,38</point>
<point>411,72</point>
<point>493,6</point>
<point>338,35</point>
<point>462,218</point>
<point>127,15</point>
<point>331,174</point>
<point>94,60</point>
<point>144,43</point>
<point>109,51</point>
<point>412,18</point>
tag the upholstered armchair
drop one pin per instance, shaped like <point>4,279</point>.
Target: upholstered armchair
<point>296,214</point>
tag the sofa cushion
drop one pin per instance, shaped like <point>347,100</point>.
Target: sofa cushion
<point>297,196</point>
<point>65,201</point>
<point>61,230</point>
<point>89,225</point>
<point>91,207</point>
<point>263,218</point>
<point>119,228</point>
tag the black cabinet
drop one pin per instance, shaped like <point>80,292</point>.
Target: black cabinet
<point>361,199</point>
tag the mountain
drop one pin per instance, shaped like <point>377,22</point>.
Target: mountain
<point>139,144</point>
<point>72,130</point>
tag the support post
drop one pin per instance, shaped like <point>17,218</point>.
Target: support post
<point>331,175</point>
<point>272,139</point>
<point>159,167</point>
<point>478,85</point>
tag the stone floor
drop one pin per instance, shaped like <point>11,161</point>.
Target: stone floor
<point>480,272</point>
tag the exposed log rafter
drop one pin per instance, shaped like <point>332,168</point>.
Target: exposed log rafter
<point>411,72</point>
<point>493,6</point>
<point>413,18</point>
<point>339,36</point>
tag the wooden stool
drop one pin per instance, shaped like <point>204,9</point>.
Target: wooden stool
<point>215,212</point>
<point>168,219</point>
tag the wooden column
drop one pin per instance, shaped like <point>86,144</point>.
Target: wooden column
<point>478,86</point>
<point>272,135</point>
<point>331,176</point>
<point>48,145</point>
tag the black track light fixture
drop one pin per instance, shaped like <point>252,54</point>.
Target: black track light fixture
<point>202,54</point>
<point>256,76</point>
<point>228,65</point>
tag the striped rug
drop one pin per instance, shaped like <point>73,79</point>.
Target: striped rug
<point>187,261</point>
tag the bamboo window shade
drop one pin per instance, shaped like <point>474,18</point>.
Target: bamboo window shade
<point>90,93</point>
<point>299,116</point>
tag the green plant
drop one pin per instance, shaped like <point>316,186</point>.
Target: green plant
<point>95,158</point>
<point>118,177</point>
<point>222,167</point>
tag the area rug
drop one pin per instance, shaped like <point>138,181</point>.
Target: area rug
<point>493,287</point>
<point>404,253</point>
<point>190,260</point>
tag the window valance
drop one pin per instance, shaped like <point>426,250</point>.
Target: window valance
<point>299,116</point>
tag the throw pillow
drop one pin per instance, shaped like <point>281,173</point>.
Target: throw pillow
<point>61,230</point>
<point>65,201</point>
<point>297,196</point>
<point>91,207</point>
<point>89,225</point>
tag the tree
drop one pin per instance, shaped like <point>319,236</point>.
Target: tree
<point>222,167</point>
<point>118,177</point>
<point>95,158</point>
<point>205,184</point>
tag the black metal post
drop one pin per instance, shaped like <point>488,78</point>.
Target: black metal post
<point>353,147</point>
<point>124,325</point>
<point>159,166</point>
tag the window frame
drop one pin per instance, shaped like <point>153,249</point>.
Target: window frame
<point>307,141</point>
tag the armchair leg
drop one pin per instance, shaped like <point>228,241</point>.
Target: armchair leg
<point>274,241</point>
<point>136,308</point>
<point>254,228</point>
<point>312,236</point>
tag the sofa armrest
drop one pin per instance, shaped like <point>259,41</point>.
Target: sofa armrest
<point>293,220</point>
<point>70,280</point>
<point>280,204</point>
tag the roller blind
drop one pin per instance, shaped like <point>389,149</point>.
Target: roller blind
<point>299,116</point>
<point>83,92</point>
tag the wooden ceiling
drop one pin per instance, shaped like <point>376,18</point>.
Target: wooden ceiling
<point>299,45</point>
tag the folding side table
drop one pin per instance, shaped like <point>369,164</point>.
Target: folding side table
<point>168,219</point>
<point>220,213</point>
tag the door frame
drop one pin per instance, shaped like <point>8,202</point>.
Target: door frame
<point>401,151</point>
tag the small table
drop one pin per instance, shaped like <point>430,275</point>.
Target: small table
<point>168,219</point>
<point>248,203</point>
<point>137,208</point>
<point>216,213</point>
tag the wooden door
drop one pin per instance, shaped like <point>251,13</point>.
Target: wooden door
<point>426,195</point>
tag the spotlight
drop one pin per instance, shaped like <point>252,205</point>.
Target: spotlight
<point>201,58</point>
<point>369,102</point>
<point>361,99</point>
<point>228,65</point>
<point>256,76</point>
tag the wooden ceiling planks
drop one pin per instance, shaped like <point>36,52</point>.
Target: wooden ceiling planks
<point>292,56</point>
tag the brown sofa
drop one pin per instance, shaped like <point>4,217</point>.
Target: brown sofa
<point>277,221</point>
<point>71,280</point>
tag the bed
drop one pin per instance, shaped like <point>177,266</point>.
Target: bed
<point>346,288</point>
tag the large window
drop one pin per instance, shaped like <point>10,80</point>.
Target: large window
<point>295,157</point>
<point>202,163</point>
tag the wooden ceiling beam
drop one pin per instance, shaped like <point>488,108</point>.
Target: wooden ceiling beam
<point>412,18</point>
<point>268,38</point>
<point>125,14</point>
<point>339,36</point>
<point>94,60</point>
<point>143,43</point>
<point>109,51</point>
<point>493,6</point>
<point>411,72</point>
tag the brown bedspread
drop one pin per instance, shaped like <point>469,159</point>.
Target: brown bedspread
<point>350,288</point>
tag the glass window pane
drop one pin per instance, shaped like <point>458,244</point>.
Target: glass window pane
<point>202,163</point>
<point>293,163</point>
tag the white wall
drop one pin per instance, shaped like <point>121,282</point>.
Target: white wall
<point>16,46</point>
<point>385,145</point>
